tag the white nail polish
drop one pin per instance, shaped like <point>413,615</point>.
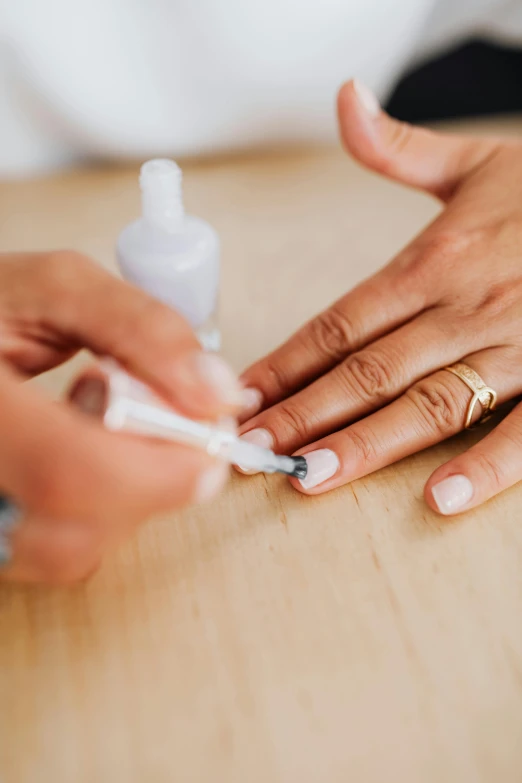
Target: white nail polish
<point>173,256</point>
<point>452,494</point>
<point>210,482</point>
<point>252,400</point>
<point>259,437</point>
<point>367,98</point>
<point>322,465</point>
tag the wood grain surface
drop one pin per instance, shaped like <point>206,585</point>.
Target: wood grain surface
<point>270,637</point>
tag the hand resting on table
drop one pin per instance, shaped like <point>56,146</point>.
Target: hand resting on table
<point>363,384</point>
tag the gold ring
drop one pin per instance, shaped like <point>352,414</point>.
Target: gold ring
<point>481,392</point>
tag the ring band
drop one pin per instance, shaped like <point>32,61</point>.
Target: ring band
<point>482,393</point>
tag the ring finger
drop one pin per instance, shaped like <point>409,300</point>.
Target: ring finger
<point>432,410</point>
<point>363,382</point>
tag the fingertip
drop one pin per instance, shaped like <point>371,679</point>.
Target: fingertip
<point>428,497</point>
<point>251,403</point>
<point>297,484</point>
<point>344,96</point>
<point>346,106</point>
<point>449,494</point>
<point>204,383</point>
<point>45,551</point>
<point>358,110</point>
<point>211,482</point>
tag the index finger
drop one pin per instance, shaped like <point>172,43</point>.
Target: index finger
<point>361,316</point>
<point>96,310</point>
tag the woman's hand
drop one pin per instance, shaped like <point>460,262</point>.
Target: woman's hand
<point>363,385</point>
<point>79,488</point>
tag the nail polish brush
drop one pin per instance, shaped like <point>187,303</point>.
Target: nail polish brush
<point>127,405</point>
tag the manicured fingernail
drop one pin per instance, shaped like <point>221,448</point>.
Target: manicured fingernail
<point>367,98</point>
<point>213,371</point>
<point>322,465</point>
<point>252,401</point>
<point>452,494</point>
<point>259,437</point>
<point>211,482</point>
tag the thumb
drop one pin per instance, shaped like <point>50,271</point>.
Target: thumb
<point>435,162</point>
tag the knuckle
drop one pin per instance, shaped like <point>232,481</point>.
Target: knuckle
<point>496,300</point>
<point>367,448</point>
<point>371,374</point>
<point>276,381</point>
<point>400,136</point>
<point>491,469</point>
<point>333,333</point>
<point>433,258</point>
<point>437,405</point>
<point>449,244</point>
<point>293,422</point>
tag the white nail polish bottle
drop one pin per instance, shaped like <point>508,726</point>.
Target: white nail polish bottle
<point>171,255</point>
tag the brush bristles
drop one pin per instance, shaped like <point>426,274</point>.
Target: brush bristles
<point>300,467</point>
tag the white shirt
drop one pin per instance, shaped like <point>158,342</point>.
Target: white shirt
<point>137,78</point>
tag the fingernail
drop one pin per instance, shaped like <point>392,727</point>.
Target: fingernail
<point>259,437</point>
<point>211,482</point>
<point>322,465</point>
<point>213,371</point>
<point>367,98</point>
<point>252,401</point>
<point>452,494</point>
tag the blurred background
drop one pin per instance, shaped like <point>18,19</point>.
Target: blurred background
<point>130,79</point>
<point>473,79</point>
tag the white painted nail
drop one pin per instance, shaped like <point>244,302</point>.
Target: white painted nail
<point>252,401</point>
<point>452,494</point>
<point>367,98</point>
<point>211,482</point>
<point>322,465</point>
<point>215,372</point>
<point>259,437</point>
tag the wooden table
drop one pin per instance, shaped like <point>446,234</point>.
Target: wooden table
<point>270,637</point>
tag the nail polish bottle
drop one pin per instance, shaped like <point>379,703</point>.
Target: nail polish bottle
<point>171,255</point>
